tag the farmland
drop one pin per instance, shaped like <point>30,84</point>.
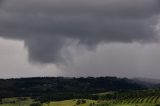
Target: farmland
<point>152,100</point>
<point>148,101</point>
<point>28,102</point>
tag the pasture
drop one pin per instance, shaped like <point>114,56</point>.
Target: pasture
<point>28,102</point>
<point>135,101</point>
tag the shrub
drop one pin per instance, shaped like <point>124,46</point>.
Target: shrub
<point>78,102</point>
<point>83,101</point>
<point>36,104</point>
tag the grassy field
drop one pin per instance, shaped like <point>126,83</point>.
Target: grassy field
<point>70,103</point>
<point>16,102</point>
<point>28,101</point>
<point>147,101</point>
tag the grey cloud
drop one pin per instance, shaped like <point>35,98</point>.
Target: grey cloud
<point>110,7</point>
<point>46,26</point>
<point>118,59</point>
<point>1,1</point>
<point>45,49</point>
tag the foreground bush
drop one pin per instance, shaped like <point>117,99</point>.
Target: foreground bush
<point>36,104</point>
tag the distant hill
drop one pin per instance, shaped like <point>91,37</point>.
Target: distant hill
<point>64,86</point>
<point>149,82</point>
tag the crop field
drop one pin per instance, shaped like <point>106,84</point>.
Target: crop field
<point>148,101</point>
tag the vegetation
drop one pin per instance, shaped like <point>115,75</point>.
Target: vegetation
<point>36,104</point>
<point>102,91</point>
<point>63,88</point>
<point>117,98</point>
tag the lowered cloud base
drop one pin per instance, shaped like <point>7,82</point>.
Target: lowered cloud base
<point>47,26</point>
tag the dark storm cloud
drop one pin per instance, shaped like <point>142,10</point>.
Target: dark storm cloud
<point>46,26</point>
<point>1,1</point>
<point>45,49</point>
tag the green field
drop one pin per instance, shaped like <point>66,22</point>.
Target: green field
<point>136,101</point>
<point>70,103</point>
<point>16,102</point>
<point>28,101</point>
<point>152,100</point>
<point>147,101</point>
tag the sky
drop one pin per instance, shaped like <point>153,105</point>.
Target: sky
<point>75,38</point>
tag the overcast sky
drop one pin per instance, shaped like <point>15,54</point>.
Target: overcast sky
<point>79,38</point>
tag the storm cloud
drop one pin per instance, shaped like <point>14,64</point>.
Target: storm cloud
<point>49,26</point>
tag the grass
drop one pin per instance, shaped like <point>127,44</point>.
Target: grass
<point>15,102</point>
<point>147,101</point>
<point>104,93</point>
<point>70,103</point>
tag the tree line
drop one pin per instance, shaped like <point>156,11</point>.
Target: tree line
<point>63,88</point>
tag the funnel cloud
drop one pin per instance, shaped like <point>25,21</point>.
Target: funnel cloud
<point>46,26</point>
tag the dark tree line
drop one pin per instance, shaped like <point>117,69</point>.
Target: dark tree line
<point>63,88</point>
